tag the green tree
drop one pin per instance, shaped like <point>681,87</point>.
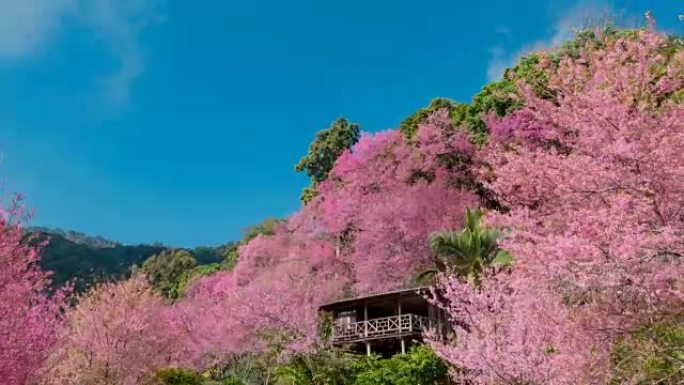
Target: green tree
<point>326,147</point>
<point>466,253</point>
<point>166,269</point>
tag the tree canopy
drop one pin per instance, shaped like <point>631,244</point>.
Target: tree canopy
<point>326,147</point>
<point>165,271</point>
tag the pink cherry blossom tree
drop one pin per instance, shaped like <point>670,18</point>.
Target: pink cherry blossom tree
<point>118,334</point>
<point>366,230</point>
<point>593,183</point>
<point>30,320</point>
<point>387,196</point>
<point>271,297</point>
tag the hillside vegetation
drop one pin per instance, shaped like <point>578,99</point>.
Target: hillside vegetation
<point>546,214</point>
<point>85,260</point>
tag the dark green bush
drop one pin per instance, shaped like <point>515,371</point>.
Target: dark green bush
<point>330,367</point>
<point>176,376</point>
<point>419,367</point>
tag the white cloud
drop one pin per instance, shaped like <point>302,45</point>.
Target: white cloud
<point>27,25</point>
<point>119,23</point>
<point>585,12</point>
<point>497,64</point>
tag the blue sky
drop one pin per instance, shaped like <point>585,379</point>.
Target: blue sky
<point>180,121</point>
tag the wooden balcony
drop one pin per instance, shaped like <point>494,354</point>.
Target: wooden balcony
<point>385,327</point>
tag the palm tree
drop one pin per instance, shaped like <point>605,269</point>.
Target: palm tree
<point>466,253</point>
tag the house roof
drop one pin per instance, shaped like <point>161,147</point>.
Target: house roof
<point>387,295</point>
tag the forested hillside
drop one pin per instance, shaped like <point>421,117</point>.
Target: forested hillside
<point>546,215</point>
<point>87,259</point>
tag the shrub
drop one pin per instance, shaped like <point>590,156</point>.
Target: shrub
<point>419,367</point>
<point>176,376</point>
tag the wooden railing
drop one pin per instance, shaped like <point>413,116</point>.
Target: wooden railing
<point>383,327</point>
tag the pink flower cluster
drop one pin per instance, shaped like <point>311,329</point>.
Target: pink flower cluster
<point>30,320</point>
<point>594,187</point>
<point>365,231</point>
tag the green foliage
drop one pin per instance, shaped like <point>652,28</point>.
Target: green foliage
<point>678,96</point>
<point>502,97</point>
<point>409,126</point>
<point>166,269</point>
<point>232,381</point>
<point>527,70</point>
<point>172,271</point>
<point>308,193</point>
<point>466,253</point>
<point>326,367</point>
<point>245,369</point>
<point>86,262</point>
<point>231,257</point>
<point>591,37</point>
<point>653,355</point>
<point>175,376</point>
<point>326,147</point>
<point>498,98</point>
<point>326,321</point>
<point>419,367</point>
<point>210,254</point>
<point>266,227</point>
<point>196,272</point>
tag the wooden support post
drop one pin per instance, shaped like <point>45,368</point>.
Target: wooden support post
<point>403,346</point>
<point>368,349</point>
<point>365,322</point>
<point>399,314</point>
<point>337,246</point>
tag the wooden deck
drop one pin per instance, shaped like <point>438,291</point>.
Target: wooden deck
<point>385,327</point>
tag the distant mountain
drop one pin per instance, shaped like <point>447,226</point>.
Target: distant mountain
<point>88,259</point>
<point>77,237</point>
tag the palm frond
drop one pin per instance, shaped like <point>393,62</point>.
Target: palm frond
<point>467,252</point>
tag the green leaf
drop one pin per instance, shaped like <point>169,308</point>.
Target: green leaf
<point>503,258</point>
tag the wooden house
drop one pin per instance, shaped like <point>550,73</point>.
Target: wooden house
<point>384,323</point>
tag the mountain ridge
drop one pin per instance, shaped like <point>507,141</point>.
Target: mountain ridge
<point>86,259</point>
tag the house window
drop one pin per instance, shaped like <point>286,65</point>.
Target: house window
<point>345,318</point>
